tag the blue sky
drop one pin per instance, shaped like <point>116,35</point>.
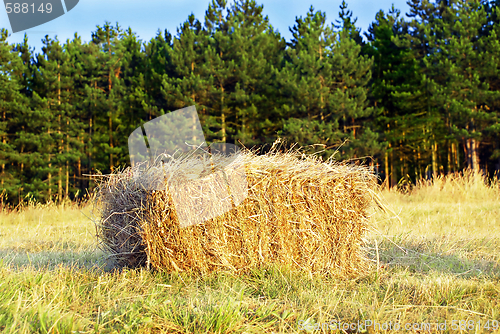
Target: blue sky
<point>146,17</point>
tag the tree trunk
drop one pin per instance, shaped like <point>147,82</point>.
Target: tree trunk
<point>475,155</point>
<point>497,165</point>
<point>401,164</point>
<point>59,178</point>
<point>90,148</point>
<point>195,139</point>
<point>457,157</point>
<point>453,165</point>
<point>223,127</point>
<point>22,163</point>
<point>59,185</point>
<point>394,180</point>
<point>79,170</point>
<point>67,155</point>
<point>387,172</point>
<point>193,97</point>
<point>419,165</point>
<point>110,109</point>
<point>467,153</point>
<point>110,141</point>
<point>434,159</point>
<point>223,115</point>
<point>49,177</point>
<point>471,146</point>
<point>3,164</point>
<point>449,164</point>
<point>321,81</point>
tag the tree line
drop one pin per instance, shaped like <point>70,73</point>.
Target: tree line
<point>417,97</point>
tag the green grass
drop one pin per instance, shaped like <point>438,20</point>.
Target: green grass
<point>435,256</point>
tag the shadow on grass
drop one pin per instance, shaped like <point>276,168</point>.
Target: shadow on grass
<point>464,258</point>
<point>92,260</point>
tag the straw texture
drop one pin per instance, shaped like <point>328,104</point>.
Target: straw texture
<point>298,211</point>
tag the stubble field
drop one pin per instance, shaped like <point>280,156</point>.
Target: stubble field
<point>435,257</point>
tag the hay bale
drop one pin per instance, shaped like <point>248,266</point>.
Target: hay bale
<point>299,211</point>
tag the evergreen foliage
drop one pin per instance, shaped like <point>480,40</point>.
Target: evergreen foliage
<point>419,95</point>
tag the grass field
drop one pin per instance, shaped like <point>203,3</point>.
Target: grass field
<point>435,256</point>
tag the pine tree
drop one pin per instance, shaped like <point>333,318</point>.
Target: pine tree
<point>32,138</point>
<point>400,119</point>
<point>53,84</point>
<point>12,103</point>
<point>256,50</point>
<point>158,67</point>
<point>466,60</point>
<point>492,132</point>
<point>77,123</point>
<point>226,68</point>
<point>220,68</point>
<point>186,84</point>
<point>351,75</point>
<point>306,79</point>
<point>326,78</point>
<point>135,100</point>
<point>348,24</point>
<point>108,91</point>
<point>419,98</point>
<point>90,73</point>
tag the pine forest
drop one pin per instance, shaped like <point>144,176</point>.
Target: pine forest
<point>415,96</point>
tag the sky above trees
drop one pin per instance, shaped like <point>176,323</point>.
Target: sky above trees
<point>145,18</point>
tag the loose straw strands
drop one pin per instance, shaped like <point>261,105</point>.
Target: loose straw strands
<point>299,211</point>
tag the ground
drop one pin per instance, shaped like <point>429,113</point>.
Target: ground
<point>435,267</point>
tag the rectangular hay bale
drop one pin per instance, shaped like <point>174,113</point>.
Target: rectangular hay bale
<point>298,211</point>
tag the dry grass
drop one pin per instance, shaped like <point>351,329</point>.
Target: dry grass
<point>454,205</point>
<point>300,211</point>
<point>46,235</point>
<point>432,267</point>
<point>448,225</point>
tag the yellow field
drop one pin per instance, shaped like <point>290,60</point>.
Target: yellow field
<point>435,255</point>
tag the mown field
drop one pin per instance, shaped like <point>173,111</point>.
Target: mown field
<point>435,257</point>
